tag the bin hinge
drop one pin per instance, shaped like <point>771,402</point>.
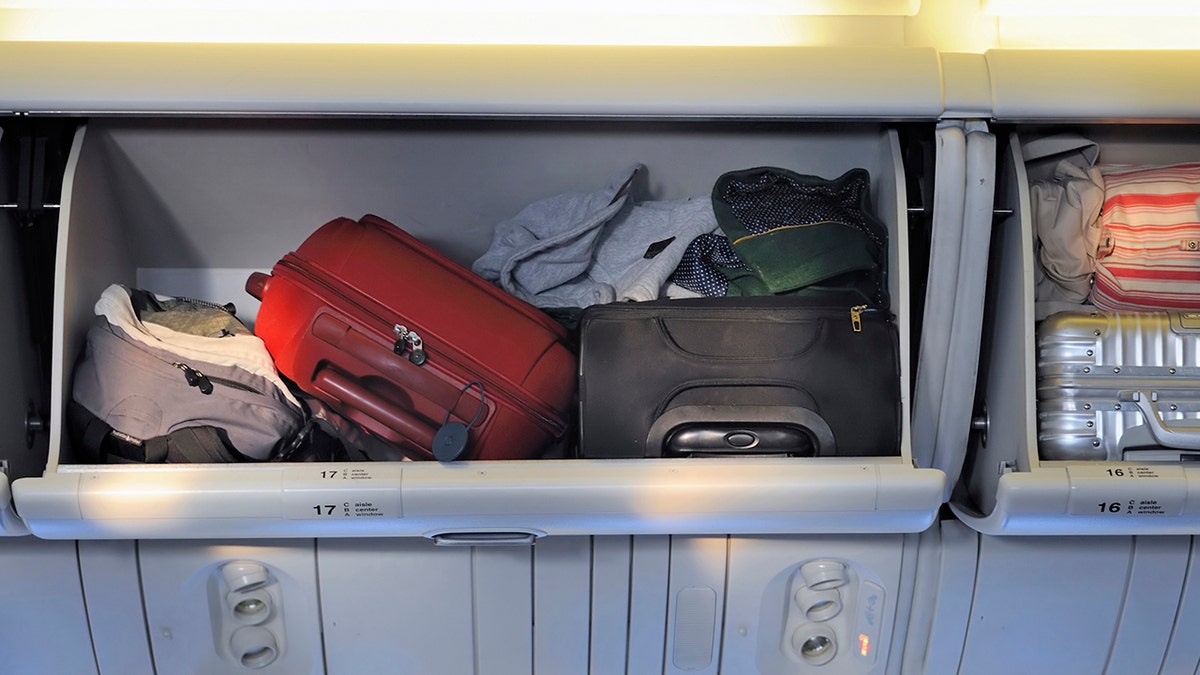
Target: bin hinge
<point>29,199</point>
<point>981,424</point>
<point>34,424</point>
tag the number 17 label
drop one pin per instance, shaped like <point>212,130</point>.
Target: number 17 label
<point>333,492</point>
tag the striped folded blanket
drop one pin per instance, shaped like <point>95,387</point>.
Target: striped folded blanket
<point>1149,254</point>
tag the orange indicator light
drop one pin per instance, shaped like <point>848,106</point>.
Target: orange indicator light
<point>864,644</point>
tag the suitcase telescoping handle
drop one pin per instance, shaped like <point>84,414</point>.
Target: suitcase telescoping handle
<point>390,422</point>
<point>1168,436</point>
<point>734,429</point>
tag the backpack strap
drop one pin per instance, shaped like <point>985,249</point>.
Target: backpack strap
<point>143,301</point>
<point>101,443</point>
<point>197,445</point>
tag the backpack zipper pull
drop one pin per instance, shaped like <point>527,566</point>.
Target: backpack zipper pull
<point>856,317</point>
<point>195,378</point>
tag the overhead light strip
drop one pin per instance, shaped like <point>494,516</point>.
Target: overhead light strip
<point>674,7</point>
<point>1092,8</point>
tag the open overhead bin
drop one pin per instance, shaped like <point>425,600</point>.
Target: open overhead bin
<point>16,398</point>
<point>28,155</point>
<point>263,145</point>
<point>1110,110</point>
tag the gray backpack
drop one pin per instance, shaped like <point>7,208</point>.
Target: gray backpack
<point>168,379</point>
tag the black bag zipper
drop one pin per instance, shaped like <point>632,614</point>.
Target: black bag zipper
<point>205,383</point>
<point>856,313</point>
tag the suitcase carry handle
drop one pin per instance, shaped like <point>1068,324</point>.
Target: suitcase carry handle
<point>736,429</point>
<point>389,421</point>
<point>256,284</point>
<point>1170,436</point>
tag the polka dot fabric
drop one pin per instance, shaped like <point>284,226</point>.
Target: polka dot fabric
<point>700,269</point>
<point>791,232</point>
<point>774,200</point>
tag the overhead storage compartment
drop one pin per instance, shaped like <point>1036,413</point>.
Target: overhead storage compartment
<point>192,207</point>
<point>1014,482</point>
<point>1128,102</point>
<point>192,204</point>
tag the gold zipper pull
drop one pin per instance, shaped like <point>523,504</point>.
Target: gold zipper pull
<point>856,317</point>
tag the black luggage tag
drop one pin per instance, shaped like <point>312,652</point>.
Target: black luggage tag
<point>450,441</point>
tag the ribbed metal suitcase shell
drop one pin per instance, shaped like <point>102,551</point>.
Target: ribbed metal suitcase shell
<point>1089,366</point>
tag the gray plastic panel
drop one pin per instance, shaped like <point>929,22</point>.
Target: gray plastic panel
<point>1080,585</point>
<point>43,619</point>
<point>562,607</point>
<point>944,588</point>
<point>610,586</point>
<point>117,617</point>
<point>1157,577</point>
<point>407,606</point>
<point>1183,653</point>
<point>1068,85</point>
<point>493,80</point>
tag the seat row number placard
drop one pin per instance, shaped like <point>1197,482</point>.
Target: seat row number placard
<point>1126,490</point>
<point>330,491</point>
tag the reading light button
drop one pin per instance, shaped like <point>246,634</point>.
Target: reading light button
<point>871,603</point>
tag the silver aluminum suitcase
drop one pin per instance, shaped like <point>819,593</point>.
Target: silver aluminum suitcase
<point>1119,386</point>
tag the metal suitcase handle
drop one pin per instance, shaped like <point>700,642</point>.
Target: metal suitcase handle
<point>734,420</point>
<point>1170,436</point>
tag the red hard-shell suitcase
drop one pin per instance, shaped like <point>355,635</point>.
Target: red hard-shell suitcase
<point>414,347</point>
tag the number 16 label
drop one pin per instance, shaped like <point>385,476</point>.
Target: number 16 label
<point>1126,490</point>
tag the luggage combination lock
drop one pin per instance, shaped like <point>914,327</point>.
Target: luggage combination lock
<point>407,339</point>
